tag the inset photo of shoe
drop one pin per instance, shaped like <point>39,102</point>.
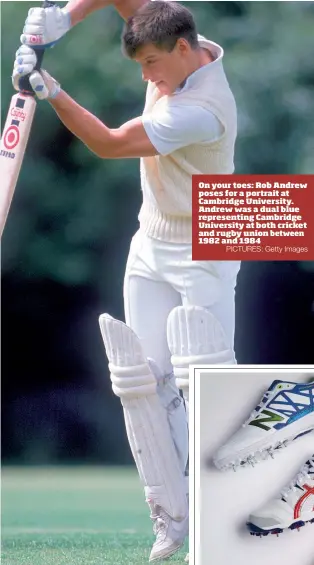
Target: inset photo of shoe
<point>252,466</point>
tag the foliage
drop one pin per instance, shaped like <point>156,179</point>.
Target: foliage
<point>69,204</point>
<point>66,240</point>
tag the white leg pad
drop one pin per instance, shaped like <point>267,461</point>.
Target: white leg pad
<point>170,398</point>
<point>195,337</point>
<point>145,418</point>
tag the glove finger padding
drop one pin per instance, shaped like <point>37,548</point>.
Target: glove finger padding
<point>41,82</point>
<point>25,54</point>
<point>35,22</point>
<point>24,64</point>
<point>34,27</point>
<point>18,73</point>
<point>45,26</point>
<point>38,85</point>
<point>44,85</point>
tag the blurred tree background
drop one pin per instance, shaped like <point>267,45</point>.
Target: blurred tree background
<point>73,215</point>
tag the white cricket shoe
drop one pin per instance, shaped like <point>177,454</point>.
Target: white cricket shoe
<point>170,534</point>
<point>187,558</point>
<point>285,413</point>
<point>293,509</point>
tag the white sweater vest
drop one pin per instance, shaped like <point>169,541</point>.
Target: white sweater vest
<point>166,212</point>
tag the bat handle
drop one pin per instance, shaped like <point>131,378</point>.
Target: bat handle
<point>24,84</point>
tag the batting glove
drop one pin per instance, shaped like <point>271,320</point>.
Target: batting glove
<point>45,26</point>
<point>41,82</point>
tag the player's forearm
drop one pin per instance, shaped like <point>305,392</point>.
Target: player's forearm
<point>126,8</point>
<point>80,9</point>
<point>84,125</point>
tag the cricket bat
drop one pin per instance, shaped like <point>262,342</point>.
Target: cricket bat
<point>15,136</point>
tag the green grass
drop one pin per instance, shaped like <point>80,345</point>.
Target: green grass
<point>75,516</point>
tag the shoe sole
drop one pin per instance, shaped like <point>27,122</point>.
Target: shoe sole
<point>164,556</point>
<point>267,447</point>
<point>256,531</point>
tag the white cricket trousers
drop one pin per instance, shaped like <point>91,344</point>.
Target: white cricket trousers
<point>160,276</point>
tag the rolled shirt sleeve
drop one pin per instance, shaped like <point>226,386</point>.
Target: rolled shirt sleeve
<point>178,126</point>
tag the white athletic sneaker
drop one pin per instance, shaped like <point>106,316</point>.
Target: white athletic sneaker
<point>292,510</point>
<point>285,412</point>
<point>187,558</point>
<point>170,534</point>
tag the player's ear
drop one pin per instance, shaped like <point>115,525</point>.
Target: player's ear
<point>183,46</point>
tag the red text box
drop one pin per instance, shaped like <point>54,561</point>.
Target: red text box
<point>253,217</point>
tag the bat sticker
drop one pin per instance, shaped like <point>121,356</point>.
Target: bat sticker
<point>11,137</point>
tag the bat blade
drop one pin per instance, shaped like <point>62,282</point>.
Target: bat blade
<point>12,148</point>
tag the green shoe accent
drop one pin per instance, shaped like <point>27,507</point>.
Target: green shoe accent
<point>258,422</point>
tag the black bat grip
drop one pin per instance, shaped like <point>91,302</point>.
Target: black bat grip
<point>24,84</point>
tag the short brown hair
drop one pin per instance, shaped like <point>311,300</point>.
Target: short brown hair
<point>161,23</point>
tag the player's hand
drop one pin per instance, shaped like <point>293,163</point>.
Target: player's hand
<point>45,26</point>
<point>41,82</point>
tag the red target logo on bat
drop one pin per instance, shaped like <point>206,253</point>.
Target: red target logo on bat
<point>11,137</point>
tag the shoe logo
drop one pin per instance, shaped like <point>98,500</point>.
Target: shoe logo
<point>270,418</point>
<point>309,491</point>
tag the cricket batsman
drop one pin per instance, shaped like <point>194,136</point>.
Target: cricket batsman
<point>177,311</point>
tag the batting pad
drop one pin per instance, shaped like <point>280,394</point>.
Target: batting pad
<point>195,337</point>
<point>146,419</point>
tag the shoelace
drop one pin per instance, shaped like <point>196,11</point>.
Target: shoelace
<point>159,518</point>
<point>159,527</point>
<point>258,408</point>
<point>303,474</point>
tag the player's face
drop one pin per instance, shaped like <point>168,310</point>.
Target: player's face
<point>166,70</point>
